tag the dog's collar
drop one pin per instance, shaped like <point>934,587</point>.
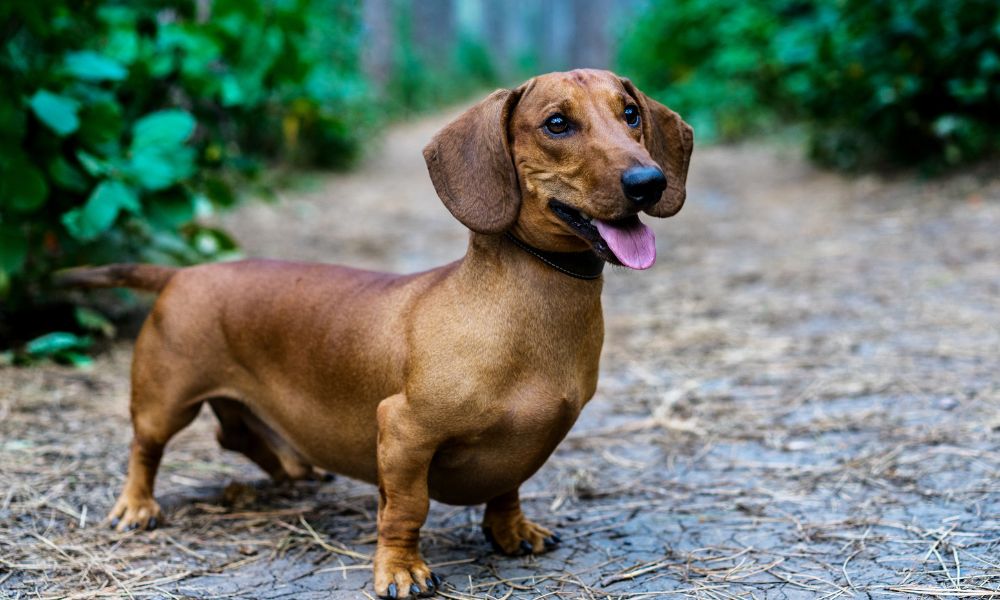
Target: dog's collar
<point>581,265</point>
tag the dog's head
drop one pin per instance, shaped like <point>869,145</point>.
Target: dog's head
<point>566,161</point>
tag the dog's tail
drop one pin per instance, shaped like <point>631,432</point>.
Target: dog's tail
<point>151,278</point>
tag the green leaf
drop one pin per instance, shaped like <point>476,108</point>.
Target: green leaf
<point>170,212</point>
<point>91,320</point>
<point>163,128</point>
<point>77,359</point>
<point>157,169</point>
<point>93,165</point>
<point>55,342</point>
<point>22,185</point>
<point>161,64</point>
<point>58,112</point>
<point>66,176</point>
<point>232,92</point>
<point>213,242</point>
<point>167,246</point>
<point>123,45</point>
<point>101,210</point>
<point>13,249</point>
<point>101,123</point>
<point>91,66</point>
<point>12,122</point>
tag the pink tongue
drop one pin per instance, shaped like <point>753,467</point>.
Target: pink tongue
<point>633,243</point>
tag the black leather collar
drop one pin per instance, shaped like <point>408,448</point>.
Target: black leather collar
<point>581,265</point>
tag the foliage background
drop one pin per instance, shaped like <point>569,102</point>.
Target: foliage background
<point>123,123</point>
<point>877,84</point>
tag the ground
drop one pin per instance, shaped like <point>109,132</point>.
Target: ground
<point>800,400</point>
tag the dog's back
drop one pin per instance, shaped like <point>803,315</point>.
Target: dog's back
<point>311,348</point>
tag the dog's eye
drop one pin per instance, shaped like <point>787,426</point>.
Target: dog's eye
<point>557,124</point>
<point>632,115</point>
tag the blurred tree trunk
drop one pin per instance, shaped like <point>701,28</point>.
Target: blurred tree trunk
<point>556,35</point>
<point>434,30</point>
<point>202,10</point>
<point>377,49</point>
<point>496,16</point>
<point>590,44</point>
<point>539,35</point>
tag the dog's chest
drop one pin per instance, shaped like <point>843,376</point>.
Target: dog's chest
<point>515,438</point>
<point>511,372</point>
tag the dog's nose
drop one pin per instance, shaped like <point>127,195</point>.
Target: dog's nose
<point>643,185</point>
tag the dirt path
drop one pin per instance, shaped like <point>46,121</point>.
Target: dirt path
<point>801,400</point>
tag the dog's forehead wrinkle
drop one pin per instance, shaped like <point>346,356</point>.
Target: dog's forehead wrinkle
<point>587,104</point>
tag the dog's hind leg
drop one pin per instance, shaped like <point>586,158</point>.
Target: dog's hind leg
<point>136,508</point>
<point>165,399</point>
<point>241,431</point>
<point>510,532</point>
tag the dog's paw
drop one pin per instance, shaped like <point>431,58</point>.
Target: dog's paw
<point>520,537</point>
<point>403,574</point>
<point>132,513</point>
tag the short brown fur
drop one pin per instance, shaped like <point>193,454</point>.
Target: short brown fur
<point>454,384</point>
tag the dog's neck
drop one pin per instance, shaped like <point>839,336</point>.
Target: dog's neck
<point>510,262</point>
<point>580,265</point>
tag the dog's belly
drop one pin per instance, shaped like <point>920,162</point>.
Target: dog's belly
<point>341,437</point>
<point>342,442</point>
<point>478,474</point>
<point>497,460</point>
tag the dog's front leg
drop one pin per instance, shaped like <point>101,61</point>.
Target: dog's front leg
<point>405,449</point>
<point>510,532</point>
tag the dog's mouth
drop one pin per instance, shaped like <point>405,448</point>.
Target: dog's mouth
<point>626,241</point>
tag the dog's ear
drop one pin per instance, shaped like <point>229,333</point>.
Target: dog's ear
<point>471,166</point>
<point>669,141</point>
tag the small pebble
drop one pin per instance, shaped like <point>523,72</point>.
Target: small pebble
<point>947,403</point>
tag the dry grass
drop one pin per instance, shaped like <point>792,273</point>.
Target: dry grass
<point>801,400</point>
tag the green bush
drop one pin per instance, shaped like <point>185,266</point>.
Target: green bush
<point>905,82</point>
<point>121,123</point>
<point>714,61</point>
<point>877,82</point>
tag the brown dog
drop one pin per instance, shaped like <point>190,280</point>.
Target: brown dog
<point>454,384</point>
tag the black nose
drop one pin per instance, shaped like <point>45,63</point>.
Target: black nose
<point>643,185</point>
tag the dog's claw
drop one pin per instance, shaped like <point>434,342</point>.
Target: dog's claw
<point>431,584</point>
<point>518,537</point>
<point>431,588</point>
<point>556,538</point>
<point>401,573</point>
<point>488,533</point>
<point>131,514</point>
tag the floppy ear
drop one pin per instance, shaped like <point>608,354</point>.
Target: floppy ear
<point>669,141</point>
<point>471,165</point>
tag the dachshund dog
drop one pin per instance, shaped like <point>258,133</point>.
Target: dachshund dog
<point>454,384</point>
